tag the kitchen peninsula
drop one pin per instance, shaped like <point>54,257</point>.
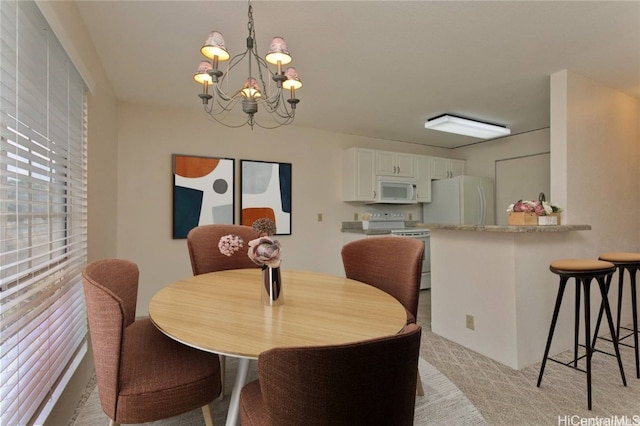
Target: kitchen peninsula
<point>492,291</point>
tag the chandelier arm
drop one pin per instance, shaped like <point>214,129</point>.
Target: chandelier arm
<point>284,113</point>
<point>231,126</point>
<point>221,108</point>
<point>289,120</point>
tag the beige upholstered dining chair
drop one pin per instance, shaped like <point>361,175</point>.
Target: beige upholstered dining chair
<point>371,382</point>
<point>202,242</point>
<point>392,264</point>
<point>142,374</point>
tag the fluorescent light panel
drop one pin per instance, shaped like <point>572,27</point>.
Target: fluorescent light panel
<point>465,126</point>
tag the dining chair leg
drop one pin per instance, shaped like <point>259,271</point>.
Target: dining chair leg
<point>206,413</point>
<point>419,388</point>
<point>223,362</point>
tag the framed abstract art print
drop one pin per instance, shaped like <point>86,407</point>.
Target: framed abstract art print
<point>203,192</point>
<point>266,193</point>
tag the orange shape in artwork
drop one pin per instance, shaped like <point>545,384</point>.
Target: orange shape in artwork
<point>251,214</point>
<point>195,167</point>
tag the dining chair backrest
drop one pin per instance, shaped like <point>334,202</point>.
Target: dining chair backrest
<point>392,264</point>
<point>111,290</point>
<point>202,242</point>
<point>362,383</point>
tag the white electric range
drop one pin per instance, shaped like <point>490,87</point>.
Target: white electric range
<point>394,222</point>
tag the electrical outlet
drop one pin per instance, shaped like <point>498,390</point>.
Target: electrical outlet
<point>470,322</point>
<point>319,217</point>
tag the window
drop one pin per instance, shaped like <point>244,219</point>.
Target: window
<point>43,212</point>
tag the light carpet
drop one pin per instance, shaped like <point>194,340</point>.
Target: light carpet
<point>442,404</point>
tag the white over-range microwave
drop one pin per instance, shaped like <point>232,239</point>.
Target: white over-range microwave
<point>394,190</point>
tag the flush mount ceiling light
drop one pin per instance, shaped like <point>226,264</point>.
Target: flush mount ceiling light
<point>464,126</point>
<point>252,90</point>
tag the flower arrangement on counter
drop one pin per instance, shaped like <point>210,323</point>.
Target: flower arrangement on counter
<point>263,251</point>
<point>540,207</point>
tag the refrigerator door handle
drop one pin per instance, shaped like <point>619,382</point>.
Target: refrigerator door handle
<point>482,205</point>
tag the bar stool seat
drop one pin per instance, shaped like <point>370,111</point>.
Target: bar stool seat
<point>624,261</point>
<point>583,271</point>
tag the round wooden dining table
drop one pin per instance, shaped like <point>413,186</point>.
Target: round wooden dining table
<point>221,312</point>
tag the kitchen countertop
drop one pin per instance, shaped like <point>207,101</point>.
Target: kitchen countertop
<point>506,229</point>
<point>356,227</point>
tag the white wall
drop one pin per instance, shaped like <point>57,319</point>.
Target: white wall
<point>596,145</point>
<point>147,138</point>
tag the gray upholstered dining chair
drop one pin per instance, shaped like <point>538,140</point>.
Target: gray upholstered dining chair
<point>371,382</point>
<point>202,242</point>
<point>142,374</point>
<point>392,264</point>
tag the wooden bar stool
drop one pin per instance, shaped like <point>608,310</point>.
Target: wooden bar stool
<point>623,261</point>
<point>583,271</point>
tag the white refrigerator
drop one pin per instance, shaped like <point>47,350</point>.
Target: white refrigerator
<point>461,200</point>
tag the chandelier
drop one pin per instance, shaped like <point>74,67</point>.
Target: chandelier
<point>254,93</point>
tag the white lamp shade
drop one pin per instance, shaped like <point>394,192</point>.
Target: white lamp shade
<point>278,52</point>
<point>292,81</point>
<point>214,46</point>
<point>202,75</point>
<point>467,127</point>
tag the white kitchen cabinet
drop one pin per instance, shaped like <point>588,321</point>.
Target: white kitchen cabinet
<point>442,168</point>
<point>358,174</point>
<point>394,164</point>
<point>456,167</point>
<point>423,175</point>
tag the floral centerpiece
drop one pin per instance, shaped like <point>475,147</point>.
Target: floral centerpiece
<point>263,251</point>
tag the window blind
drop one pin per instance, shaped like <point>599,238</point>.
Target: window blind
<point>43,212</point>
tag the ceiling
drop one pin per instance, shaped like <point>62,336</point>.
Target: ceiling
<point>380,68</point>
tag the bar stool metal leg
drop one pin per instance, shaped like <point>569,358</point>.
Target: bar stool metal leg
<point>554,320</point>
<point>586,285</point>
<point>634,301</point>
<point>607,310</point>
<point>634,310</point>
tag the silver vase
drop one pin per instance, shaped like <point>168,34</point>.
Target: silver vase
<point>272,287</point>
